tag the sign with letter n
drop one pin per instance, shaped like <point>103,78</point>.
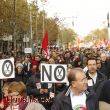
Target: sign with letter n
<point>54,73</point>
<point>7,68</point>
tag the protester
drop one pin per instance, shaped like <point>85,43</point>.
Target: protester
<point>104,100</point>
<point>105,65</point>
<point>34,67</point>
<point>77,96</point>
<point>95,78</point>
<point>28,70</point>
<point>20,74</point>
<point>27,63</point>
<point>98,64</point>
<point>39,90</point>
<point>16,92</point>
<point>4,102</point>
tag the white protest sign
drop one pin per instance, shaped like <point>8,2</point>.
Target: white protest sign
<point>53,73</point>
<point>28,50</point>
<point>7,69</point>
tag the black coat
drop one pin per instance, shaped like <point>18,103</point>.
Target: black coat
<point>105,68</point>
<point>34,85</point>
<point>105,93</point>
<point>33,89</point>
<point>63,101</point>
<point>21,77</point>
<point>59,89</point>
<point>97,87</point>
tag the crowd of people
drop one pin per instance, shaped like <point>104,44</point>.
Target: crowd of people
<point>88,73</point>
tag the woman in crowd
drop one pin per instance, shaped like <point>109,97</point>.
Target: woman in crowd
<point>19,100</point>
<point>4,101</point>
<point>20,75</point>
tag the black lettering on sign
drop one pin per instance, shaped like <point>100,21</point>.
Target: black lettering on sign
<point>59,73</point>
<point>44,71</point>
<point>7,68</point>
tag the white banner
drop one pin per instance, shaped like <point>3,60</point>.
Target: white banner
<point>7,69</point>
<point>28,50</point>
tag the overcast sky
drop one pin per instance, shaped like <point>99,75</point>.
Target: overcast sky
<point>86,14</point>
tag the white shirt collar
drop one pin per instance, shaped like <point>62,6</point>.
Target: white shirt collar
<point>93,77</point>
<point>72,93</point>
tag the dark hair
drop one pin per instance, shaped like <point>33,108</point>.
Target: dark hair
<point>72,74</point>
<point>91,59</point>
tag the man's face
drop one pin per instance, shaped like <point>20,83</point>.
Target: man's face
<point>81,82</point>
<point>67,55</point>
<point>27,59</point>
<point>13,98</point>
<point>103,57</point>
<point>98,64</point>
<point>37,58</point>
<point>92,67</point>
<point>19,69</point>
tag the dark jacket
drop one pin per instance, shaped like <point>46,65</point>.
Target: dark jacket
<point>34,85</point>
<point>63,101</point>
<point>97,87</point>
<point>33,89</point>
<point>105,68</point>
<point>105,93</point>
<point>59,89</point>
<point>21,77</point>
<point>27,67</point>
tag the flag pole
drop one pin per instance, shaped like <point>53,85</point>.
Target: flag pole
<point>43,21</point>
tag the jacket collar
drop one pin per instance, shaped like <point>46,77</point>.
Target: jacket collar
<point>99,75</point>
<point>67,99</point>
<point>87,92</point>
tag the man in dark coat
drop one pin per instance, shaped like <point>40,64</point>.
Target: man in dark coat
<point>105,65</point>
<point>95,78</point>
<point>39,90</point>
<point>76,96</point>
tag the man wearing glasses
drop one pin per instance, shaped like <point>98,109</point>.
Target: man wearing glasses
<point>77,96</point>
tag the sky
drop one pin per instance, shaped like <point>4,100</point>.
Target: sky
<point>87,15</point>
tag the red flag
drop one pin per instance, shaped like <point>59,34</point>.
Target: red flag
<point>45,43</point>
<point>105,41</point>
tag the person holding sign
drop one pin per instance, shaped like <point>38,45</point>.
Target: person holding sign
<point>39,90</point>
<point>76,96</point>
